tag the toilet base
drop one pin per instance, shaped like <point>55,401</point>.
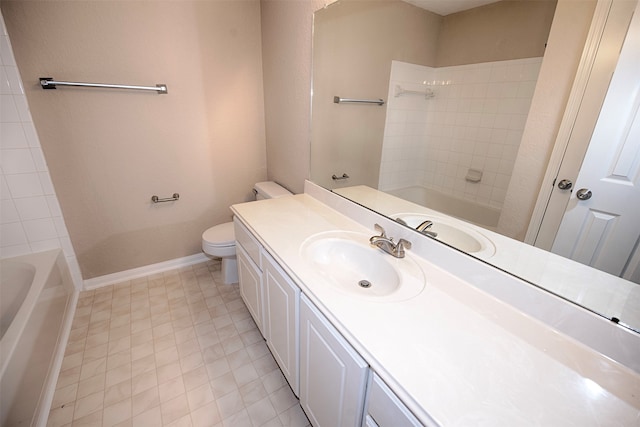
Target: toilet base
<point>229,270</point>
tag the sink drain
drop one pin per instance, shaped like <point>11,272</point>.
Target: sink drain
<point>364,284</point>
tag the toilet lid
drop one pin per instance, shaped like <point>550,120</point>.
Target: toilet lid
<point>220,235</point>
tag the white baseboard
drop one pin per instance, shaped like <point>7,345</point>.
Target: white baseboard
<point>147,270</point>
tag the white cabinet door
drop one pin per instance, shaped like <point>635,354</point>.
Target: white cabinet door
<point>281,302</point>
<point>332,375</point>
<point>386,410</point>
<point>250,280</point>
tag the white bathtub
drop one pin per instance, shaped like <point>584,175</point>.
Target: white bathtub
<point>482,215</point>
<point>37,298</point>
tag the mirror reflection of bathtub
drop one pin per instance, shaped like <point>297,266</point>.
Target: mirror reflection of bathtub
<point>479,214</point>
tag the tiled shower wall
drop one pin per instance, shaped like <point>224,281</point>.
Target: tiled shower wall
<point>474,120</point>
<point>30,216</point>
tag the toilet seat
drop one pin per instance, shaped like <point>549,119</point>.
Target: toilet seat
<point>219,240</point>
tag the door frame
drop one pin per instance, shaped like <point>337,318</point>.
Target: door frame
<point>596,67</point>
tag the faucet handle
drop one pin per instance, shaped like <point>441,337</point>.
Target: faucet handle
<point>379,229</point>
<point>400,247</point>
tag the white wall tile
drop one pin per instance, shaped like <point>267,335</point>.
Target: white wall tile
<point>38,159</point>
<point>4,189</point>
<point>8,111</point>
<point>12,136</point>
<point>8,211</point>
<point>17,161</point>
<point>24,185</point>
<point>475,120</point>
<point>40,229</point>
<point>5,87</point>
<point>32,208</point>
<point>46,183</point>
<point>12,234</point>
<point>23,108</point>
<point>13,77</point>
<point>6,55</point>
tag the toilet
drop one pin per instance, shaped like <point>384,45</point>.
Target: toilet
<point>220,241</point>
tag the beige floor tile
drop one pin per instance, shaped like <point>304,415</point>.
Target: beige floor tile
<point>174,409</point>
<point>92,420</point>
<point>283,399</point>
<point>173,349</point>
<point>118,375</point>
<point>144,401</point>
<point>230,404</point>
<point>200,396</point>
<point>144,381</point>
<point>239,419</point>
<point>89,404</point>
<point>92,368</point>
<point>60,416</point>
<point>206,416</point>
<point>117,392</point>
<point>261,412</point>
<point>65,395</point>
<point>171,389</point>
<point>195,378</point>
<point>169,371</point>
<point>90,385</point>
<point>150,417</point>
<point>117,413</point>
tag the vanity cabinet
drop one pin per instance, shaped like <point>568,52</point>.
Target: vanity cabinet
<point>249,273</point>
<point>384,409</point>
<point>272,299</point>
<point>281,303</point>
<point>333,377</point>
<point>330,377</point>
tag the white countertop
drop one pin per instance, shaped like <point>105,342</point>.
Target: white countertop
<point>453,352</point>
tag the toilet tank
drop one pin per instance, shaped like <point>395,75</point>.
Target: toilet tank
<point>269,190</point>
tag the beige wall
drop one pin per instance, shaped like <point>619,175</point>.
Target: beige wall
<point>512,29</point>
<point>286,49</point>
<point>109,151</point>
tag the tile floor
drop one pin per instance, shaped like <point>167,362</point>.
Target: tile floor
<point>172,349</point>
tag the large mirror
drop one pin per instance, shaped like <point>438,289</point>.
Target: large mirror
<point>419,109</point>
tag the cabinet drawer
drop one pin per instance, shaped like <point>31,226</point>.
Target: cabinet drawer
<point>249,243</point>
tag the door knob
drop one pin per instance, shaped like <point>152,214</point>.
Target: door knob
<point>584,194</point>
<point>565,184</point>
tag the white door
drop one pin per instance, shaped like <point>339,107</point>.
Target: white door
<point>601,225</point>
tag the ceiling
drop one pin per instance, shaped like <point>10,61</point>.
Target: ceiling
<point>445,7</point>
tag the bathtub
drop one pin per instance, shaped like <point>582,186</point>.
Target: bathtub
<point>36,302</point>
<point>482,215</point>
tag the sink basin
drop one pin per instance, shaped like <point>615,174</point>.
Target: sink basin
<point>346,261</point>
<point>452,232</point>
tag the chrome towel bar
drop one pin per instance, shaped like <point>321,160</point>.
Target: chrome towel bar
<point>338,100</point>
<point>156,199</point>
<point>50,83</point>
<point>337,178</point>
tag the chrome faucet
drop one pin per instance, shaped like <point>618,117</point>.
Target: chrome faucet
<point>424,228</point>
<point>386,243</point>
